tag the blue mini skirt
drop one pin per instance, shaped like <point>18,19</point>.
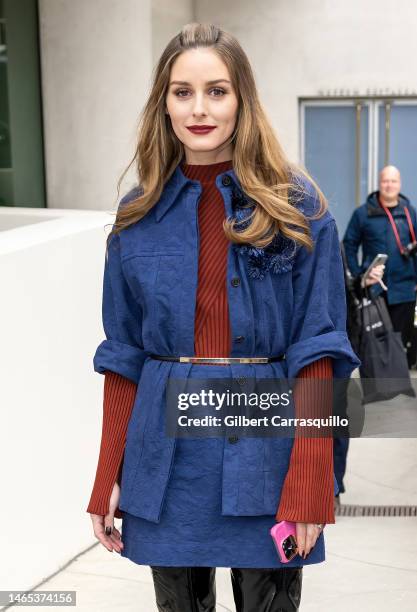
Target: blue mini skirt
<point>192,531</point>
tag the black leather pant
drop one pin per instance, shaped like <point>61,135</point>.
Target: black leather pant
<point>193,589</point>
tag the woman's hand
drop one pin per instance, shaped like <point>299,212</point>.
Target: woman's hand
<point>306,536</point>
<point>101,524</point>
<point>375,275</point>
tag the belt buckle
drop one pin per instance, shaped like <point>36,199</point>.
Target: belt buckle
<point>224,359</point>
<point>204,359</point>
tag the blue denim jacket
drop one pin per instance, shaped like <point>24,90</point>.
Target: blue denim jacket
<point>288,301</point>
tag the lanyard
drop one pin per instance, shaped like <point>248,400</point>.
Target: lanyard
<point>394,226</point>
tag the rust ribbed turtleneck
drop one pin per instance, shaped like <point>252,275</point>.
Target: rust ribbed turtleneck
<point>307,494</point>
<point>212,333</point>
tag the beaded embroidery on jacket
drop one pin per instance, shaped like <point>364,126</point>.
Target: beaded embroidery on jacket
<point>277,257</point>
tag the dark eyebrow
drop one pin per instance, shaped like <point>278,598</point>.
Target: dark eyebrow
<point>208,82</point>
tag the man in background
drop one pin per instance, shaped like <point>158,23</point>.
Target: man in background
<point>387,223</point>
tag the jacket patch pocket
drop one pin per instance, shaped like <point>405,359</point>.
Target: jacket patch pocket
<point>274,482</point>
<point>141,273</point>
<point>277,453</point>
<point>276,450</point>
<point>155,280</point>
<point>167,299</point>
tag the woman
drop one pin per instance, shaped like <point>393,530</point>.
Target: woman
<point>212,257</point>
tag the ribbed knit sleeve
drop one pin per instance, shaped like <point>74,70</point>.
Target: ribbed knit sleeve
<point>118,399</point>
<point>308,491</point>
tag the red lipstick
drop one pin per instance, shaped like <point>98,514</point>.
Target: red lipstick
<point>201,129</point>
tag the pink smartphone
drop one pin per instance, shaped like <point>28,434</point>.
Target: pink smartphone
<point>283,536</point>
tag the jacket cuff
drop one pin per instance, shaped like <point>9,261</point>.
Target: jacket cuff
<point>120,358</point>
<point>334,344</point>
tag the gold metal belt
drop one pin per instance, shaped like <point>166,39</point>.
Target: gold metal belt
<point>219,360</point>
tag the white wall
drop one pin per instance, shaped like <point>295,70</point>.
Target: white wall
<point>299,48</point>
<point>168,17</point>
<point>96,59</point>
<point>51,399</point>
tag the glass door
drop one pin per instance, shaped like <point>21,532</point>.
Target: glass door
<point>335,151</point>
<point>397,138</point>
<point>345,143</point>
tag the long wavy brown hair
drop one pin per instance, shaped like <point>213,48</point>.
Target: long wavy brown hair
<point>267,177</point>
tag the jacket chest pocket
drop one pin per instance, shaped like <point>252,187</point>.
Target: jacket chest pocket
<point>155,280</point>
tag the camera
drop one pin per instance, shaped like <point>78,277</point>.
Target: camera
<point>409,250</point>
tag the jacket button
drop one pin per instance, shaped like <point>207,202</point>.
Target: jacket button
<point>239,338</point>
<point>233,439</point>
<point>226,180</point>
<point>235,282</point>
<point>241,380</point>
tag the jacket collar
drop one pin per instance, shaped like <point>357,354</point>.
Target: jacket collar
<point>175,185</point>
<point>375,210</point>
